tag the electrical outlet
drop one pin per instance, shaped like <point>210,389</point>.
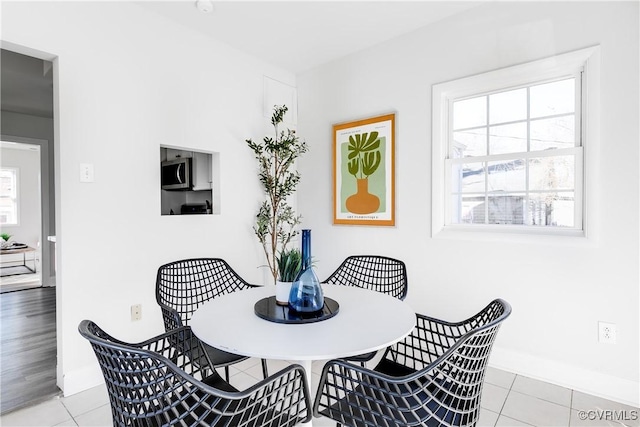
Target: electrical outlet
<point>136,312</point>
<point>607,332</point>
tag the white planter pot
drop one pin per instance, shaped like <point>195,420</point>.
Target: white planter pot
<point>282,292</point>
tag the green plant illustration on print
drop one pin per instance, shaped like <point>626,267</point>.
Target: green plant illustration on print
<point>364,159</point>
<point>364,154</point>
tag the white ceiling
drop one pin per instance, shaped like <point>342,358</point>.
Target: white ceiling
<point>294,35</point>
<point>300,35</point>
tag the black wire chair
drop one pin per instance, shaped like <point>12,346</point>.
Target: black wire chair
<point>183,286</point>
<point>433,377</point>
<point>167,381</point>
<point>375,272</point>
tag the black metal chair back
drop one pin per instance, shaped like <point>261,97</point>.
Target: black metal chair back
<point>375,272</point>
<point>163,382</point>
<point>183,286</point>
<point>434,377</point>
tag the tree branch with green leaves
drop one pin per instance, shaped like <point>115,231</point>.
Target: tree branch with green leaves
<point>276,220</point>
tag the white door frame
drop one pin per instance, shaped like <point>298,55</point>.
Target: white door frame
<point>47,271</point>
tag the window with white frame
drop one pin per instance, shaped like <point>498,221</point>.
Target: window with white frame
<point>508,148</point>
<point>8,196</point>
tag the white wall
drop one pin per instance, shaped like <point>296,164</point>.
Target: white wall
<point>128,82</point>
<point>559,291</point>
<point>27,162</point>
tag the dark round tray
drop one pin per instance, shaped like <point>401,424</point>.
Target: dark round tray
<point>268,309</point>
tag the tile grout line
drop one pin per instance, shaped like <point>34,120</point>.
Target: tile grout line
<point>506,398</point>
<point>543,400</point>
<point>571,407</point>
<point>68,412</point>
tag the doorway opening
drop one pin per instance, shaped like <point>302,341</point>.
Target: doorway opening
<point>31,365</point>
<point>20,216</point>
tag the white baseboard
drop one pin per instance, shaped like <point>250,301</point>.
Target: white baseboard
<point>81,379</point>
<point>569,376</point>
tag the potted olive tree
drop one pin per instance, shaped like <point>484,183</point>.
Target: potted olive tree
<point>276,220</point>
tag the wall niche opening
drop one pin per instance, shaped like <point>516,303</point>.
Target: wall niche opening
<point>189,183</point>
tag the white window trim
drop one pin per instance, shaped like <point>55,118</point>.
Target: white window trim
<point>586,59</point>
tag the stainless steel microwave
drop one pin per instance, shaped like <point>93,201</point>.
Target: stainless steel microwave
<point>177,174</point>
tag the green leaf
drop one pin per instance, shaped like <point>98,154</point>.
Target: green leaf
<point>372,143</point>
<point>353,147</point>
<point>278,114</point>
<point>289,265</point>
<point>354,166</point>
<point>371,162</point>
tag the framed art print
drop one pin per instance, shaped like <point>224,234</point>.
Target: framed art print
<point>363,172</point>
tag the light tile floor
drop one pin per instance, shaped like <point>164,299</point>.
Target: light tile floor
<point>508,400</point>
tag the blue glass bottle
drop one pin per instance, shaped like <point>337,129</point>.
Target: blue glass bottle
<point>306,294</point>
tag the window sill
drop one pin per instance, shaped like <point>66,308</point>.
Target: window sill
<point>515,234</point>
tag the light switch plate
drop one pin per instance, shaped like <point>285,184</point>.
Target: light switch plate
<point>86,172</point>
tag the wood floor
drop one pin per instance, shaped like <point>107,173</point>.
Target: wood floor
<point>27,347</point>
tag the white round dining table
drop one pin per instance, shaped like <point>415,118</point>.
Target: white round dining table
<point>366,321</point>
